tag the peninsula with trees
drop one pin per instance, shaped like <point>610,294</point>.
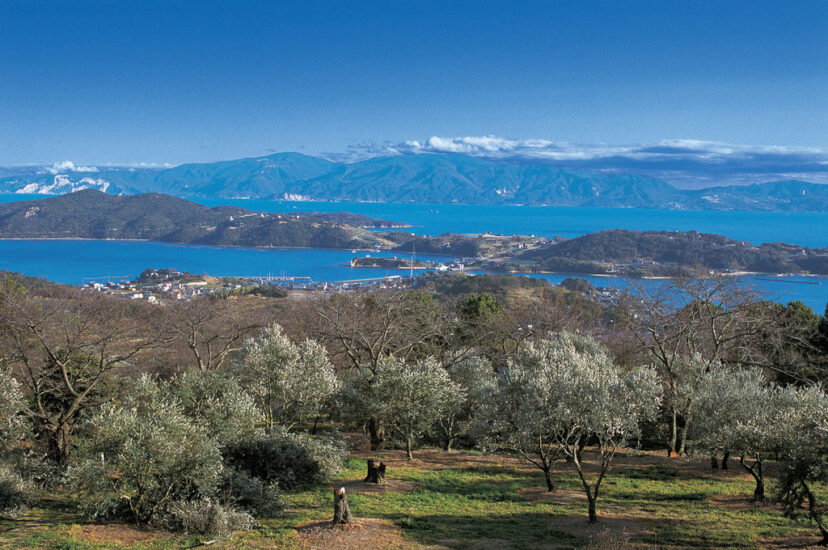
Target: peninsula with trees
<point>164,218</point>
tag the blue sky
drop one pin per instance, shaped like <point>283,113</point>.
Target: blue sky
<point>123,82</point>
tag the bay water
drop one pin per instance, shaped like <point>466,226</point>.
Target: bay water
<point>77,261</point>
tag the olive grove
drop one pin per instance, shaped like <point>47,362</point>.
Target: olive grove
<point>199,417</point>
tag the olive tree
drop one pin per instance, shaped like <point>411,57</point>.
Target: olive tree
<point>517,419</point>
<point>713,316</point>
<point>562,393</point>
<point>217,402</point>
<point>804,453</point>
<point>688,378</point>
<point>738,413</point>
<point>407,397</point>
<point>13,431</point>
<point>290,382</point>
<point>595,401</point>
<point>474,378</point>
<point>365,328</point>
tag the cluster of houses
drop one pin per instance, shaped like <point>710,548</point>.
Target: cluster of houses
<point>152,293</point>
<point>158,285</point>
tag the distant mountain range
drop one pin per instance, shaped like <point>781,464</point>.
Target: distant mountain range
<point>425,178</point>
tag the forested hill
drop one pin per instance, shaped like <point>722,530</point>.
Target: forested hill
<point>92,214</point>
<point>423,178</point>
<point>660,251</point>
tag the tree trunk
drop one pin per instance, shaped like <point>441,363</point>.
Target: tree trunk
<point>816,515</point>
<point>759,492</point>
<point>714,462</point>
<point>342,512</point>
<point>725,458</point>
<point>376,431</point>
<point>591,497</point>
<point>408,448</point>
<point>671,446</point>
<point>757,471</point>
<point>58,443</point>
<point>376,473</point>
<point>593,516</point>
<point>683,439</point>
<point>447,446</point>
<point>547,475</point>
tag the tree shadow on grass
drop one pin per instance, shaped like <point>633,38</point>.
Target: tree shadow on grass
<point>520,530</point>
<point>482,483</point>
<point>46,512</point>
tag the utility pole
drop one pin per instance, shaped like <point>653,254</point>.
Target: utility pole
<point>413,255</point>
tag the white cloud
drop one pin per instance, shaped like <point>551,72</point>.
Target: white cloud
<point>69,166</point>
<point>684,162</point>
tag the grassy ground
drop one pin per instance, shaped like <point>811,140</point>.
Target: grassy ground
<point>467,500</point>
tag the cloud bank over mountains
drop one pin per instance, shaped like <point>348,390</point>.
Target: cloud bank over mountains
<point>685,163</point>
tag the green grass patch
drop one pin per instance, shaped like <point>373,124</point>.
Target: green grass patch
<point>459,507</point>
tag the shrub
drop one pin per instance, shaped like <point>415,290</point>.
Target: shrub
<point>254,495</point>
<point>15,459</point>
<point>14,491</point>
<point>203,517</point>
<point>289,459</point>
<point>143,455</point>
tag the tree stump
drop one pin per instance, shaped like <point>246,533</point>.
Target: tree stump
<point>376,473</point>
<point>342,512</point>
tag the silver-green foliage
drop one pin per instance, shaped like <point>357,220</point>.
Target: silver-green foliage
<point>408,397</point>
<point>804,454</point>
<point>518,415</point>
<point>474,379</point>
<point>217,402</point>
<point>13,425</point>
<point>14,429</point>
<point>569,390</point>
<point>290,382</point>
<point>204,516</point>
<point>143,454</point>
<point>739,412</point>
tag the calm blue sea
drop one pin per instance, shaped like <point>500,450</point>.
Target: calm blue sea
<point>79,261</point>
<point>75,261</point>
<point>802,228</point>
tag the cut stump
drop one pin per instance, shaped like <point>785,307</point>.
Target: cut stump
<point>342,512</point>
<point>376,473</point>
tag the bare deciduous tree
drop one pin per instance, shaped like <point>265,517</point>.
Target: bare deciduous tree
<point>210,329</point>
<point>62,348</point>
<point>713,318</point>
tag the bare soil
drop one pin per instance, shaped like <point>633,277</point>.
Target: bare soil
<point>364,534</point>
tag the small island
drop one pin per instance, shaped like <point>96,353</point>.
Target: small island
<point>617,252</point>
